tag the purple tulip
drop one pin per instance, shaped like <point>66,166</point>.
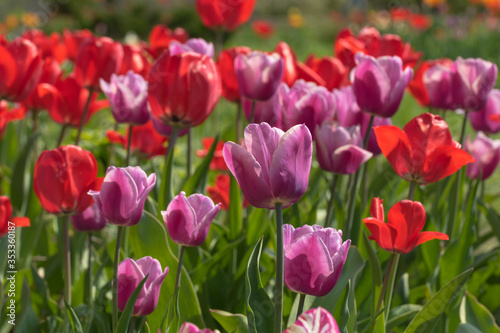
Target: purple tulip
<point>258,74</point>
<point>481,120</point>
<point>197,45</point>
<point>90,220</point>
<point>309,104</point>
<point>188,219</point>
<point>471,82</point>
<point>270,111</point>
<point>192,328</point>
<point>316,320</point>
<point>127,96</point>
<point>130,274</point>
<point>437,81</point>
<point>339,149</point>
<point>486,152</point>
<point>166,130</point>
<point>379,84</point>
<point>123,194</point>
<point>271,166</point>
<point>314,258</point>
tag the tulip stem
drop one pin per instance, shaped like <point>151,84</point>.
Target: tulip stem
<point>368,132</point>
<point>411,191</point>
<point>112,148</point>
<point>278,292</point>
<point>129,145</point>
<point>61,135</point>
<point>300,308</point>
<point>131,327</point>
<point>189,143</point>
<point>166,194</point>
<point>89,268</point>
<point>331,204</point>
<point>218,41</point>
<point>67,260</point>
<point>179,271</point>
<point>239,124</point>
<point>390,273</point>
<point>115,276</point>
<point>252,113</point>
<point>84,116</point>
<point>462,133</point>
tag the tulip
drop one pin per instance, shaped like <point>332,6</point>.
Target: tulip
<point>192,328</point>
<point>482,120</point>
<point>21,68</point>
<point>271,166</point>
<point>48,46</point>
<point>423,151</point>
<point>6,115</point>
<point>97,58</point>
<point>486,152</point>
<point>161,36</point>
<point>417,85</point>
<point>314,321</point>
<point>330,69</point>
<point>306,73</point>
<point>7,222</point>
<point>183,89</point>
<point>263,29</point>
<point>379,84</point>
<point>130,274</point>
<point>402,233</point>
<point>339,149</point>
<point>91,219</point>
<point>166,130</point>
<point>258,74</point>
<point>270,111</point>
<point>225,62</point>
<point>134,59</point>
<point>62,178</point>
<point>217,162</point>
<point>123,194</point>
<point>289,62</point>
<point>197,45</point>
<point>188,219</point>
<point>220,191</point>
<point>472,80</point>
<point>74,39</point>
<point>224,14</point>
<point>314,258</point>
<point>437,82</point>
<point>51,72</point>
<point>127,96</point>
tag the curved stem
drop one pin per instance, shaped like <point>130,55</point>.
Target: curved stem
<point>67,259</point>
<point>331,203</point>
<point>278,291</point>
<point>129,145</point>
<point>300,308</point>
<point>115,276</point>
<point>84,117</point>
<point>61,135</point>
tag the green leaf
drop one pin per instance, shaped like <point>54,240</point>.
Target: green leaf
<point>231,322</point>
<point>492,217</point>
<point>260,308</point>
<point>467,328</point>
<point>124,320</point>
<point>401,315</point>
<point>75,322</point>
<point>235,210</point>
<point>18,189</point>
<point>475,313</point>
<point>27,321</point>
<point>376,272</point>
<point>425,320</point>
<point>255,226</point>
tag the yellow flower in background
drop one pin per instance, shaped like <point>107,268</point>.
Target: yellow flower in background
<point>30,19</point>
<point>434,3</point>
<point>11,21</point>
<point>295,18</point>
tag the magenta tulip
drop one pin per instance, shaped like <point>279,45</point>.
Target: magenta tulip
<point>486,153</point>
<point>271,166</point>
<point>316,320</point>
<point>188,218</point>
<point>437,82</point>
<point>314,258</point>
<point>130,274</point>
<point>482,120</point>
<point>197,45</point>
<point>339,149</point>
<point>258,74</point>
<point>379,84</point>
<point>472,80</point>
<point>91,219</point>
<point>270,111</point>
<point>192,328</point>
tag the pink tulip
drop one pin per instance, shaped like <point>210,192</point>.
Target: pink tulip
<point>130,274</point>
<point>271,166</point>
<point>91,219</point>
<point>192,328</point>
<point>437,82</point>
<point>270,111</point>
<point>258,74</point>
<point>339,149</point>
<point>316,320</point>
<point>197,45</point>
<point>482,120</point>
<point>486,152</point>
<point>314,258</point>
<point>472,80</point>
<point>188,219</point>
<point>379,84</point>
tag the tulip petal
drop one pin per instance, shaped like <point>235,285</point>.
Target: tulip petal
<point>381,232</point>
<point>395,146</point>
<point>430,235</point>
<point>371,85</point>
<point>180,219</point>
<point>407,218</point>
<point>150,301</point>
<point>316,320</point>
<point>377,209</point>
<point>443,162</point>
<point>349,158</point>
<point>129,277</point>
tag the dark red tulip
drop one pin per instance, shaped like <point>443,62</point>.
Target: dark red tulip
<point>134,59</point>
<point>63,177</point>
<point>6,115</point>
<point>50,74</point>
<point>97,58</point>
<point>74,39</point>
<point>417,87</point>
<point>183,89</point>
<point>161,36</point>
<point>224,14</point>
<point>330,69</point>
<point>7,222</point>
<point>289,60</point>
<point>225,63</point>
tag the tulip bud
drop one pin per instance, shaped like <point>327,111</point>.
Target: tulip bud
<point>313,321</point>
<point>486,153</point>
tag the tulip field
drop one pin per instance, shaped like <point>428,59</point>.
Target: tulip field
<point>235,183</point>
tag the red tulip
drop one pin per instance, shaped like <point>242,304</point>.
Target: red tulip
<point>49,46</point>
<point>7,222</point>
<point>423,151</point>
<point>225,14</point>
<point>225,62</point>
<point>403,231</point>
<point>217,162</point>
<point>330,69</point>
<point>417,87</point>
<point>289,61</point>
<point>97,58</point>
<point>62,178</point>
<point>6,115</point>
<point>306,73</point>
<point>161,36</point>
<point>135,60</point>
<point>220,192</point>
<point>264,29</point>
<point>74,39</point>
<point>50,74</point>
<point>20,69</point>
<point>183,89</point>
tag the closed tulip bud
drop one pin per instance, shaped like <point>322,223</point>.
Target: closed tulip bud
<point>314,258</point>
<point>130,274</point>
<point>437,81</point>
<point>123,194</point>
<point>224,14</point>
<point>314,321</point>
<point>417,86</point>
<point>486,153</point>
<point>188,218</point>
<point>483,120</point>
<point>127,96</point>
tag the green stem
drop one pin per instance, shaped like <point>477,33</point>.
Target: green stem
<point>239,123</point>
<point>112,149</point>
<point>278,292</point>
<point>84,117</point>
<point>392,278</point>
<point>129,145</point>
<point>67,259</point>
<point>252,113</point>
<point>300,308</point>
<point>166,184</point>
<point>391,266</point>
<point>368,131</point>
<point>329,221</point>
<point>115,276</point>
<point>131,327</point>
<point>89,268</point>
<point>218,42</point>
<point>411,191</point>
<point>61,135</point>
<point>189,143</point>
<point>179,271</point>
<point>462,132</point>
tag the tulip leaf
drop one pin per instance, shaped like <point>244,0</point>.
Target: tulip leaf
<point>235,210</point>
<point>492,217</point>
<point>231,322</point>
<point>124,320</point>
<point>75,322</point>
<point>426,318</point>
<point>376,272</point>
<point>401,315</point>
<point>475,313</point>
<point>28,321</point>
<point>467,328</point>
<point>197,182</point>
<point>260,308</point>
